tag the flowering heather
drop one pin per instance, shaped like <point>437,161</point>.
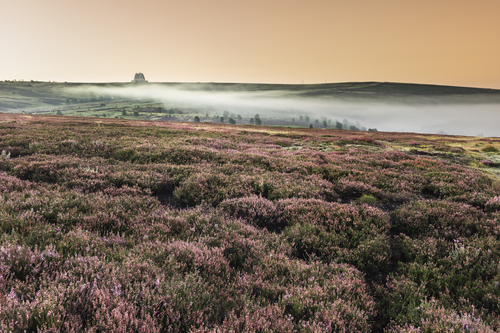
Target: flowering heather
<point>120,226</point>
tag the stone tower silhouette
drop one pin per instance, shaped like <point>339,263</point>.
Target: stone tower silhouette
<point>139,77</point>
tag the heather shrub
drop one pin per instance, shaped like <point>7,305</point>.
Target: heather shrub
<point>213,188</point>
<point>275,186</point>
<point>493,204</point>
<point>324,300</point>
<point>9,183</point>
<point>430,317</point>
<point>256,210</point>
<point>251,319</point>
<point>475,199</point>
<point>451,272</point>
<point>446,219</point>
<point>400,300</point>
<point>24,264</point>
<point>355,189</point>
<point>209,188</point>
<point>336,232</point>
<point>453,182</point>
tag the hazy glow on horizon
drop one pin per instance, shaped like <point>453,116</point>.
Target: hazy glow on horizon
<point>274,41</point>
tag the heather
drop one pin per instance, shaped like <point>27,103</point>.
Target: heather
<point>123,226</point>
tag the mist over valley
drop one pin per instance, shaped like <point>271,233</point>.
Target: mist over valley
<point>392,107</point>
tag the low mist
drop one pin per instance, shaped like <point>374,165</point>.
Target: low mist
<point>474,119</point>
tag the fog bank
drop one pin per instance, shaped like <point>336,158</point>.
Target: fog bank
<point>459,119</point>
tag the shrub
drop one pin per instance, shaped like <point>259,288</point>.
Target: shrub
<point>490,149</point>
<point>446,219</point>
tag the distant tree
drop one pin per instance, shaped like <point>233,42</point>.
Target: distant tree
<point>306,119</point>
<point>251,121</point>
<point>329,121</point>
<point>102,105</point>
<point>311,126</point>
<point>196,119</point>
<point>301,118</point>
<point>136,113</point>
<point>124,113</point>
<point>345,123</point>
<point>293,120</point>
<point>338,125</point>
<point>372,130</point>
<point>221,119</point>
<point>225,114</point>
<point>353,128</point>
<point>239,117</point>
<point>232,121</point>
<point>59,113</point>
<point>68,101</point>
<point>316,121</point>
<point>258,121</point>
<point>325,124</point>
<point>256,116</point>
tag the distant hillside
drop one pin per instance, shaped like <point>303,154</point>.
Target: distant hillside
<point>23,95</point>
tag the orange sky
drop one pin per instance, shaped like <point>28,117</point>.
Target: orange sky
<point>453,42</point>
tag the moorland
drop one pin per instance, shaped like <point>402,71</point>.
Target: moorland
<point>129,225</point>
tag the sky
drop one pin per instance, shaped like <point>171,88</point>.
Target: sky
<point>449,42</point>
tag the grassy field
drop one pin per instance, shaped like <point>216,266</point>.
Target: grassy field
<point>130,225</point>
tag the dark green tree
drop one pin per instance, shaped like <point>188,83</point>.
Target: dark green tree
<point>232,121</point>
<point>196,119</point>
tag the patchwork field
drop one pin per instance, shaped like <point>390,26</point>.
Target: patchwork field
<point>127,225</point>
